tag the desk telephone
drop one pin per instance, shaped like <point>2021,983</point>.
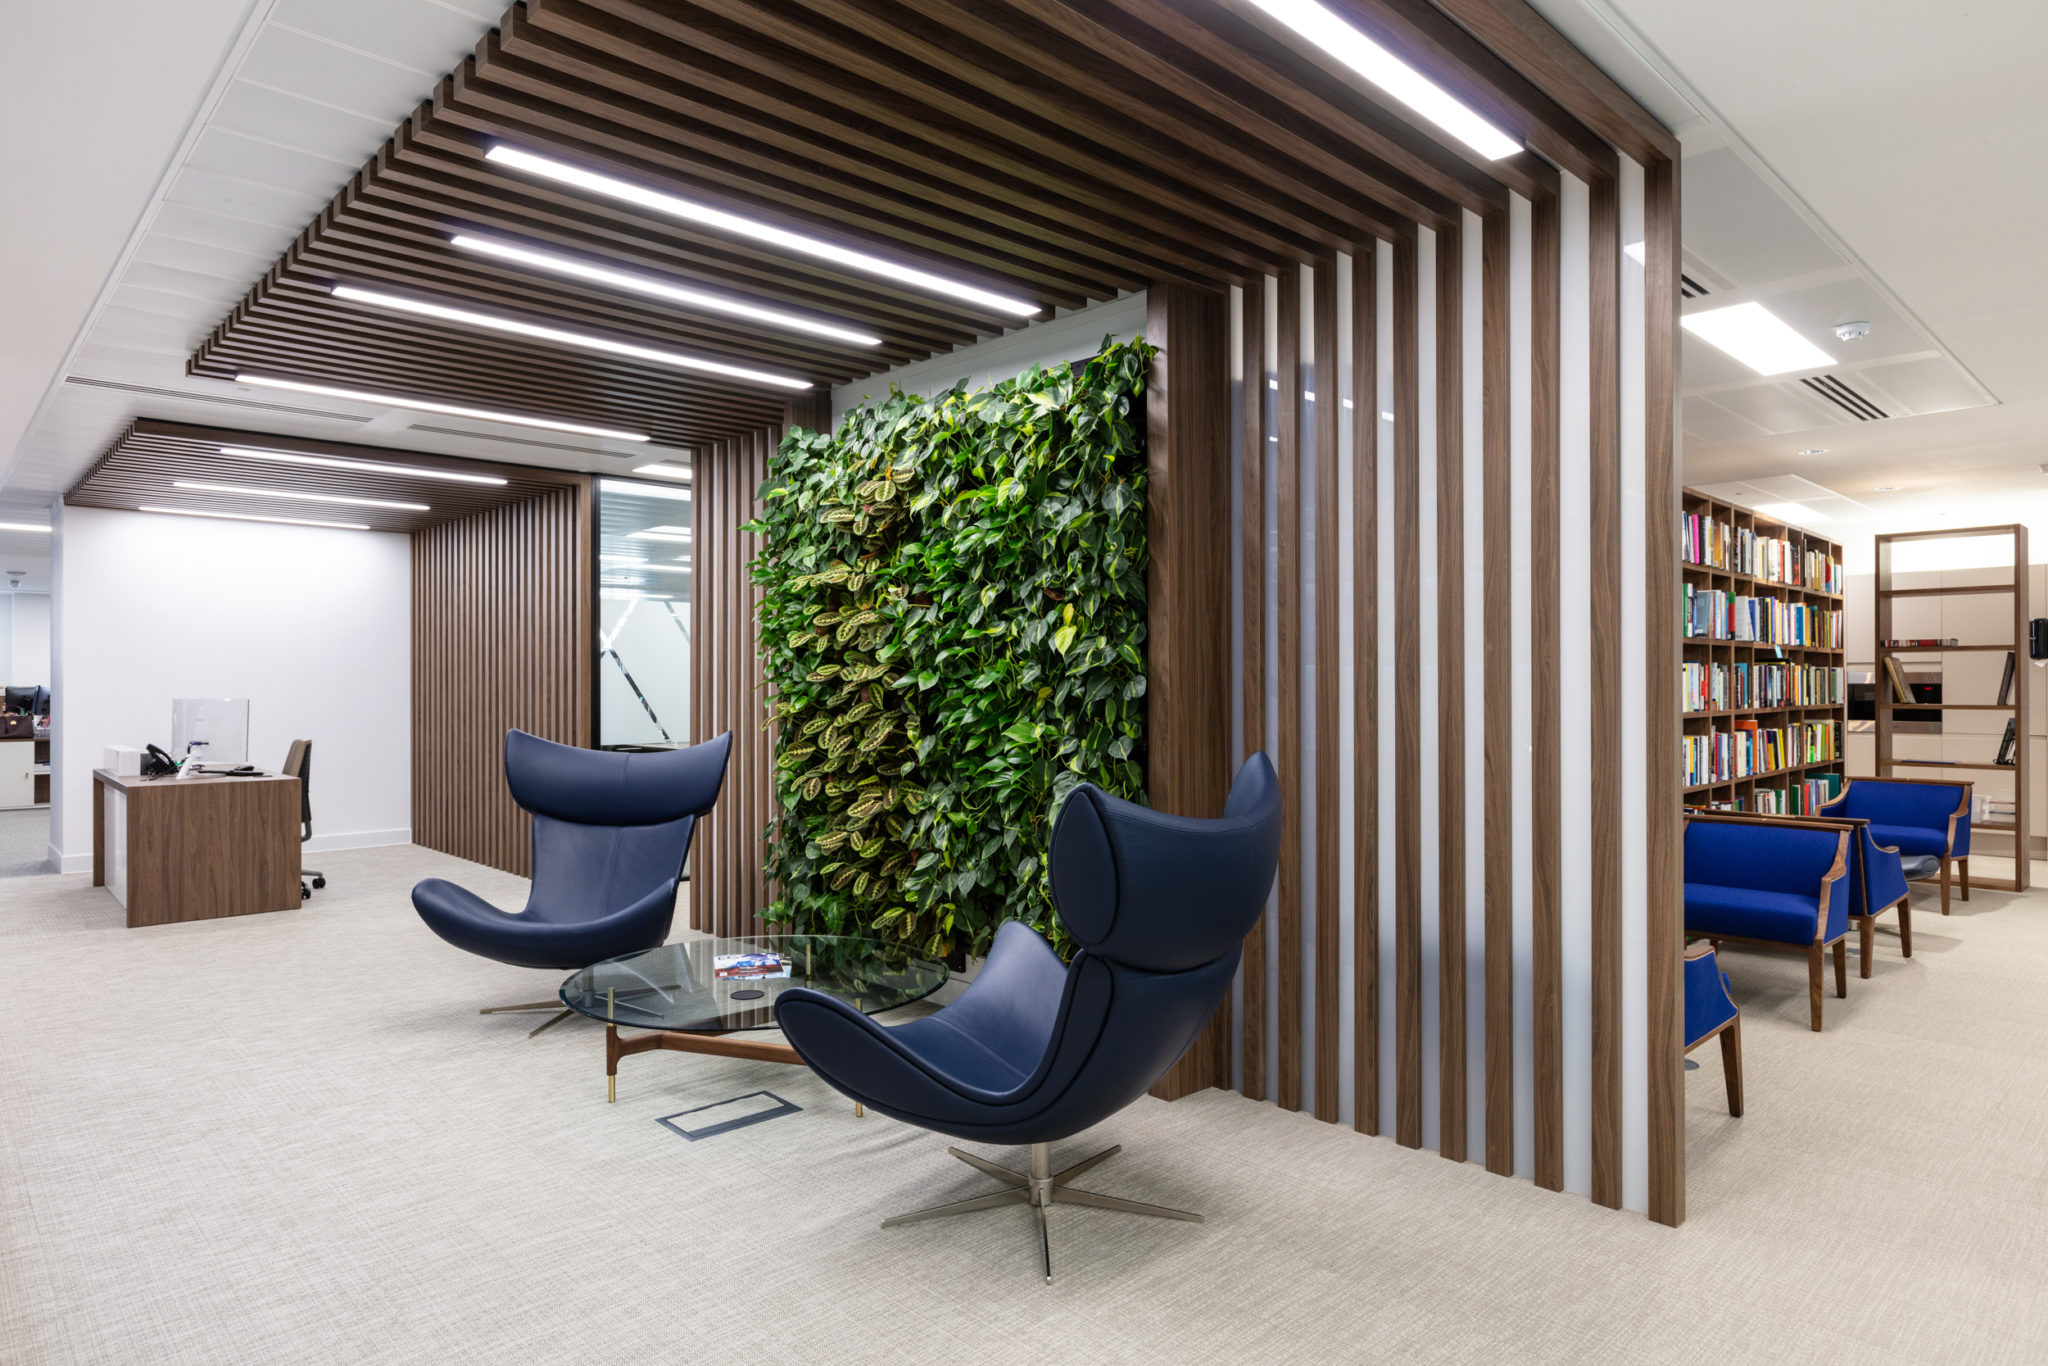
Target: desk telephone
<point>157,764</point>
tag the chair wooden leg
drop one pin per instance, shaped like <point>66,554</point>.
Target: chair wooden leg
<point>1944,884</point>
<point>1866,941</point>
<point>1731,1064</point>
<point>1814,956</point>
<point>1965,862</point>
<point>1842,966</point>
<point>1906,927</point>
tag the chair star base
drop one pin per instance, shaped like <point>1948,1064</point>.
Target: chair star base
<point>532,1005</point>
<point>1042,1189</point>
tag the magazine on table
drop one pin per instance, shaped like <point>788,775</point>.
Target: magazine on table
<point>735,966</point>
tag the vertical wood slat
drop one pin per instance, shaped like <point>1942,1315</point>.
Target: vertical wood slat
<point>1252,523</point>
<point>1665,828</point>
<point>1547,911</point>
<point>1328,758</point>
<point>1288,643</point>
<point>1498,742</point>
<point>500,622</point>
<point>1450,653</point>
<point>1187,702</point>
<point>1365,690</point>
<point>1407,609</point>
<point>1605,747</point>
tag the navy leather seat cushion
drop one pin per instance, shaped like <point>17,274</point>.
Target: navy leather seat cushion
<point>1749,913</point>
<point>1912,839</point>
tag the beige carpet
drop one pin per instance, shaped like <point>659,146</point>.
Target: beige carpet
<point>290,1139</point>
<point>24,842</point>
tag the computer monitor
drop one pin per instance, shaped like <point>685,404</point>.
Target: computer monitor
<point>219,724</point>
<point>20,699</point>
<point>42,701</point>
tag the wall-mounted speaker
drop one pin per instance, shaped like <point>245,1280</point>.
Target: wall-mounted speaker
<point>2037,638</point>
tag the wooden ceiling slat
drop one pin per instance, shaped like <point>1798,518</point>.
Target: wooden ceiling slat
<point>697,117</point>
<point>854,82</point>
<point>619,125</point>
<point>145,462</point>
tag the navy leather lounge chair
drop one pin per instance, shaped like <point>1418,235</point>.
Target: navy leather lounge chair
<point>610,832</point>
<point>1037,1050</point>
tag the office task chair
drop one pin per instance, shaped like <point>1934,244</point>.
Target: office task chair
<point>298,763</point>
<point>610,833</point>
<point>1037,1050</point>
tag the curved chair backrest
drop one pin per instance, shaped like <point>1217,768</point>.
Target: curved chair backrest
<point>1928,804</point>
<point>1160,906</point>
<point>1763,858</point>
<point>609,829</point>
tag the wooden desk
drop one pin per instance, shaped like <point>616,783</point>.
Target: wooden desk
<point>174,849</point>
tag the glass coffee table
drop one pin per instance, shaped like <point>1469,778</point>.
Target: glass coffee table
<point>704,995</point>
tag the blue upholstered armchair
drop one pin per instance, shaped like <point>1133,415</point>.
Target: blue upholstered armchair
<point>1877,880</point>
<point>610,833</point>
<point>1919,817</point>
<point>1782,885</point>
<point>1036,1050</point>
<point>1711,1011</point>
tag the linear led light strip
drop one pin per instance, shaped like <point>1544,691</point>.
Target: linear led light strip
<point>657,289</point>
<point>23,526</point>
<point>588,341</point>
<point>689,210</point>
<point>245,517</point>
<point>1334,35</point>
<point>245,490</point>
<point>422,405</point>
<point>364,466</point>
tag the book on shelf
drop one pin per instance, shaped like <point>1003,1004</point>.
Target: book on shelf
<point>2005,684</point>
<point>1902,691</point>
<point>1929,642</point>
<point>2005,745</point>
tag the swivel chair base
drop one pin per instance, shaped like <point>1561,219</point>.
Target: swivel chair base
<point>1041,1190</point>
<point>532,1005</point>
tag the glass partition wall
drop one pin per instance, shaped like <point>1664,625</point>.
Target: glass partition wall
<point>643,637</point>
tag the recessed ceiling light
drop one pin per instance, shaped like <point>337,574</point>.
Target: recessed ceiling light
<point>654,288</point>
<point>633,489</point>
<point>588,341</point>
<point>1815,450</point>
<point>1793,512</point>
<point>453,410</point>
<point>1758,338</point>
<point>23,526</point>
<point>1334,35</point>
<point>661,469</point>
<point>245,517</point>
<point>363,466</point>
<point>245,491</point>
<point>661,533</point>
<point>675,206</point>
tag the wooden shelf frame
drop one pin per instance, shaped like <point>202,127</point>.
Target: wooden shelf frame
<point>1741,792</point>
<point>2016,587</point>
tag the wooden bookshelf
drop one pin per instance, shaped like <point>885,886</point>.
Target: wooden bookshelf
<point>2010,580</point>
<point>1717,569</point>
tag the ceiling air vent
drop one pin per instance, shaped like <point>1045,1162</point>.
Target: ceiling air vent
<point>1691,288</point>
<point>1845,398</point>
<point>185,397</point>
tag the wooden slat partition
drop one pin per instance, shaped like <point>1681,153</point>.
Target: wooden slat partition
<point>1450,672</point>
<point>1365,692</point>
<point>1407,609</point>
<point>1187,705</point>
<point>1498,702</point>
<point>728,886</point>
<point>1606,743</point>
<point>1547,913</point>
<point>501,638</point>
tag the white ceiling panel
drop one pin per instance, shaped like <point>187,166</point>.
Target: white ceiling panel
<point>186,284</point>
<point>211,227</point>
<point>1915,386</point>
<point>282,117</point>
<point>237,198</point>
<point>1733,221</point>
<point>426,38</point>
<point>285,59</point>
<point>1704,420</point>
<point>201,258</point>
<point>276,165</point>
<point>1781,406</point>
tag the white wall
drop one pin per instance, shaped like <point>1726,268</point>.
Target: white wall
<point>1070,336</point>
<point>25,639</point>
<point>312,626</point>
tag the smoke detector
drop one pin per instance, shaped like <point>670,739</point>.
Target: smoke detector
<point>1851,332</point>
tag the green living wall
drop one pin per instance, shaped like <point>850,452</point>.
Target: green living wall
<point>953,624</point>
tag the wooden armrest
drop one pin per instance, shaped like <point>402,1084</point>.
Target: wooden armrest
<point>1699,950</point>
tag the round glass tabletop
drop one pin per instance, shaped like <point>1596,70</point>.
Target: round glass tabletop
<point>716,986</point>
